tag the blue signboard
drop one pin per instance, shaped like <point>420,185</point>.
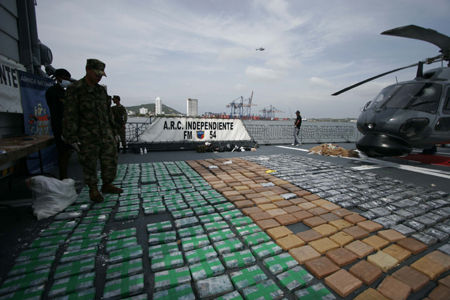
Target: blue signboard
<point>36,117</point>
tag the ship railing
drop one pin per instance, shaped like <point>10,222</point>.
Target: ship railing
<point>282,134</point>
<point>274,134</point>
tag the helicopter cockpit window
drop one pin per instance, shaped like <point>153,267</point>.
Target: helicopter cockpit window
<point>417,96</point>
<point>446,109</point>
<point>383,96</point>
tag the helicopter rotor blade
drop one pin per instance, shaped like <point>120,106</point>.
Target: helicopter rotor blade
<point>423,34</point>
<point>372,78</point>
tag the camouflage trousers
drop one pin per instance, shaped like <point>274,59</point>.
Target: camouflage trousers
<point>122,138</point>
<point>89,155</point>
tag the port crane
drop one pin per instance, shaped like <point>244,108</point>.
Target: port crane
<point>269,112</point>
<point>241,107</point>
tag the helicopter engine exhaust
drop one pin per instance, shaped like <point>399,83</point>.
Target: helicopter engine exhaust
<point>379,145</point>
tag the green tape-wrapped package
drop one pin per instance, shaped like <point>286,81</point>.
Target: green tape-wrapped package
<point>124,269</point>
<point>264,290</point>
<point>121,234</point>
<point>89,227</point>
<point>167,261</point>
<point>203,210</point>
<point>247,277</point>
<point>74,268</point>
<point>107,204</point>
<point>242,221</point>
<point>59,228</point>
<point>194,242</point>
<point>176,207</point>
<point>159,227</point>
<point>162,249</point>
<point>199,255</point>
<point>152,204</point>
<point>37,253</point>
<point>73,255</point>
<point>32,293</point>
<point>227,246</point>
<point>68,215</point>
<point>315,292</point>
<point>130,191</point>
<point>182,292</point>
<point>266,249</point>
<point>83,244</point>
<point>231,214</point>
<point>171,278</point>
<point>69,285</point>
<point>234,295</point>
<point>96,212</point>
<point>214,287</point>
<point>124,287</point>
<point>215,217</point>
<point>207,269</point>
<point>87,234</point>
<point>95,219</point>
<point>256,238</point>
<point>88,294</point>
<point>214,226</point>
<point>221,235</point>
<point>224,207</point>
<point>121,243</point>
<point>126,215</point>
<point>27,266</point>
<point>186,222</point>
<point>154,210</point>
<point>191,231</point>
<point>162,237</point>
<point>130,202</point>
<point>198,203</point>
<point>125,254</point>
<point>178,214</point>
<point>248,229</point>
<point>295,278</point>
<point>83,207</point>
<point>60,225</point>
<point>128,208</point>
<point>45,241</point>
<point>215,200</point>
<point>239,259</point>
<point>24,281</point>
<point>280,263</point>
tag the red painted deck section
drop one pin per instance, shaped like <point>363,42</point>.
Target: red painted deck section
<point>429,159</point>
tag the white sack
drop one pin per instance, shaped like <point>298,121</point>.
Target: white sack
<point>50,196</point>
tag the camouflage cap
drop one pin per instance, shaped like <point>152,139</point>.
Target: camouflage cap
<point>116,97</point>
<point>97,66</point>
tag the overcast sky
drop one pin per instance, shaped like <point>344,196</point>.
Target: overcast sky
<point>205,49</point>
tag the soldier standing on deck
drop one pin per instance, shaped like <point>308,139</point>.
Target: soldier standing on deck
<point>88,125</point>
<point>55,97</point>
<point>120,118</point>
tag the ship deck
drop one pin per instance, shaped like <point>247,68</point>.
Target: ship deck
<point>419,174</point>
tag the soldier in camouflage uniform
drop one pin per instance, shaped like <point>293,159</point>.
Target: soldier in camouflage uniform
<point>89,127</point>
<point>120,118</point>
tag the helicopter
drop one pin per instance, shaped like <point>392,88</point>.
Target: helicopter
<point>409,114</point>
<point>260,49</point>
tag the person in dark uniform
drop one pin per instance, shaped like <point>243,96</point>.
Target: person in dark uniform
<point>55,97</point>
<point>120,118</point>
<point>297,124</point>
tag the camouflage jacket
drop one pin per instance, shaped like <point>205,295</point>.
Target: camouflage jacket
<point>87,114</point>
<point>120,116</point>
